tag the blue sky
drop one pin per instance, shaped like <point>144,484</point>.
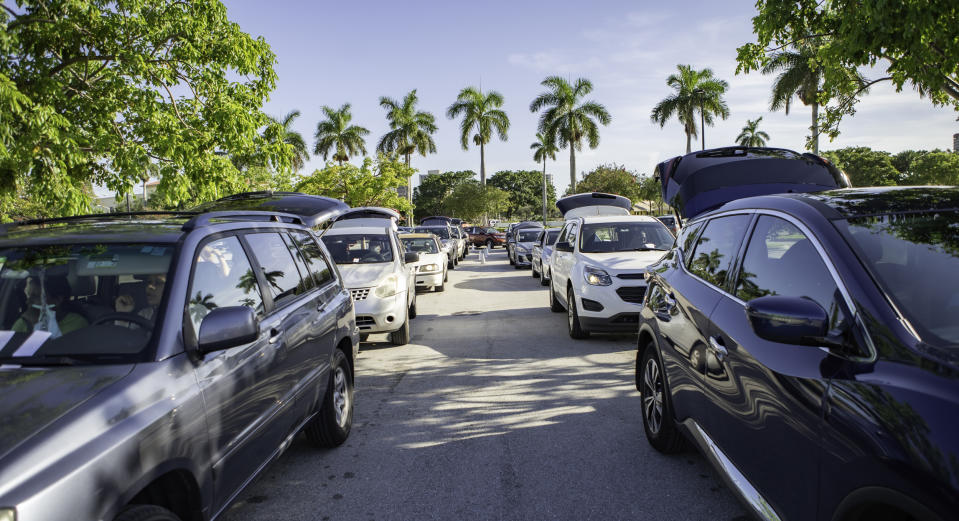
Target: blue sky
<point>329,53</point>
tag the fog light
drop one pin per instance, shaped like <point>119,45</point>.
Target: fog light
<point>389,318</point>
<point>591,305</point>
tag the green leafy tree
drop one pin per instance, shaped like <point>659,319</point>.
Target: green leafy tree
<point>472,201</point>
<point>283,132</point>
<point>934,168</point>
<point>651,191</point>
<point>904,160</point>
<point>694,90</point>
<point>864,166</point>
<point>914,39</point>
<point>337,135</point>
<point>610,179</point>
<point>751,136</point>
<point>372,184</point>
<point>524,189</point>
<point>544,148</point>
<point>430,197</point>
<point>94,90</point>
<point>481,116</point>
<point>566,119</point>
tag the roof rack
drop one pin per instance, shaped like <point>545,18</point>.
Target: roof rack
<point>251,215</point>
<point>5,227</point>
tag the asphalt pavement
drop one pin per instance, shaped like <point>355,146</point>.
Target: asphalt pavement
<point>492,412</point>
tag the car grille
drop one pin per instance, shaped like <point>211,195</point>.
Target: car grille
<point>359,294</point>
<point>632,294</point>
<point>365,322</point>
<point>631,276</point>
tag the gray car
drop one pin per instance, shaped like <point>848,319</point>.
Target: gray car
<point>539,256</point>
<point>152,366</point>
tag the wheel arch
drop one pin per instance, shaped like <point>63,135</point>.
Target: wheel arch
<point>646,339</point>
<point>174,487</point>
<point>346,345</point>
<point>865,503</point>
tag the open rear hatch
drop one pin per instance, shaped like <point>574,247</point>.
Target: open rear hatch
<point>703,181</point>
<point>595,203</point>
<point>315,210</point>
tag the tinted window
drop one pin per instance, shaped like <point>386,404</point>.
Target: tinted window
<point>301,267</point>
<point>686,241</point>
<point>608,237</point>
<point>781,260</point>
<point>716,248</point>
<point>359,248</point>
<point>527,235</point>
<point>314,257</point>
<point>279,268</point>
<point>223,276</point>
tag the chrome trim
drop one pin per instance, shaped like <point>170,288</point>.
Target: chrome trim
<point>733,477</point>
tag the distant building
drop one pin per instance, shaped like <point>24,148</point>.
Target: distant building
<point>427,174</point>
<point>955,142</point>
<point>402,192</point>
<point>549,179</point>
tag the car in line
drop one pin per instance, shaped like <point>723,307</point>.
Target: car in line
<point>449,244</point>
<point>539,256</point>
<point>513,236</point>
<point>460,239</point>
<point>522,246</point>
<point>599,260</point>
<point>671,223</point>
<point>377,270</point>
<point>137,351</point>
<point>809,323</point>
<point>430,270</point>
<point>485,236</point>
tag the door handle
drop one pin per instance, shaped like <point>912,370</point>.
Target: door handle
<point>275,335</point>
<point>718,349</point>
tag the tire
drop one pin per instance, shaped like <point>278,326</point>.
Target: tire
<point>145,513</point>
<point>554,304</point>
<point>543,280</point>
<point>364,337</point>
<point>489,244</point>
<point>412,313</point>
<point>451,264</point>
<point>401,336</point>
<point>534,273</point>
<point>331,426</point>
<point>440,288</point>
<point>446,276</point>
<point>576,330</point>
<point>509,254</point>
<point>656,409</point>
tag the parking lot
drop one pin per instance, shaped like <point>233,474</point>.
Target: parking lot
<point>491,412</point>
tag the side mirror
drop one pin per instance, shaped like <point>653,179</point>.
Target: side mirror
<point>227,327</point>
<point>411,256</point>
<point>563,246</point>
<point>788,320</point>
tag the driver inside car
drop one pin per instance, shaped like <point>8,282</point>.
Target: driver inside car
<point>49,307</point>
<point>153,289</point>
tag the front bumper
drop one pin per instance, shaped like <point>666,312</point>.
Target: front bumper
<point>378,315</point>
<point>612,308</point>
<point>523,258</point>
<point>429,280</point>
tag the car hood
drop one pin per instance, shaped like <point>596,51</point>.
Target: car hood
<point>623,260</point>
<point>33,398</point>
<point>364,275</point>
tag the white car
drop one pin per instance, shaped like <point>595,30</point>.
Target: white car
<point>542,250</point>
<point>431,268</point>
<point>378,272</point>
<point>449,244</point>
<point>597,269</point>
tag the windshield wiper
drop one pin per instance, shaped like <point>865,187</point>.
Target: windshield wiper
<point>41,360</point>
<point>650,249</point>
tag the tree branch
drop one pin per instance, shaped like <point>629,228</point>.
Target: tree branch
<point>80,59</point>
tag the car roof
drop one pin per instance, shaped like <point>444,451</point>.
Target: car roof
<point>160,227</point>
<point>618,219</point>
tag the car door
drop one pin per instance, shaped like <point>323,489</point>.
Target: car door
<point>562,261</point>
<point>768,396</point>
<point>237,383</point>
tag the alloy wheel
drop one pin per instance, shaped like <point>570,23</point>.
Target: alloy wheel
<point>341,398</point>
<point>653,396</point>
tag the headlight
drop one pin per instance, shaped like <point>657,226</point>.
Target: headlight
<point>8,514</point>
<point>388,287</point>
<point>429,267</point>
<point>596,276</point>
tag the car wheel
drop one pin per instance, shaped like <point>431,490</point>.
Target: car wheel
<point>534,273</point>
<point>145,513</point>
<point>509,254</point>
<point>446,275</point>
<point>489,244</point>
<point>657,411</point>
<point>451,264</point>
<point>554,304</point>
<point>572,317</point>
<point>331,426</point>
<point>440,288</point>
<point>544,280</point>
<point>401,336</point>
<point>412,313</point>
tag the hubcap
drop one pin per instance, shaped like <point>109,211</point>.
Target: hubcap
<point>653,396</point>
<point>570,302</point>
<point>341,398</point>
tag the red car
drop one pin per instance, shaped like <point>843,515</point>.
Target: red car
<point>489,237</point>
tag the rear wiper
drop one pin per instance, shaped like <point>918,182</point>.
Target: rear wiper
<point>41,360</point>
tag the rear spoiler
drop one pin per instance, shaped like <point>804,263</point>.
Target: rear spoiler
<point>595,203</point>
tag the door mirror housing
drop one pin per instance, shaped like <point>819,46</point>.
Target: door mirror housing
<point>227,327</point>
<point>411,256</point>
<point>788,320</point>
<point>563,246</point>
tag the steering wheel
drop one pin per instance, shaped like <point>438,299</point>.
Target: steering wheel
<point>120,316</point>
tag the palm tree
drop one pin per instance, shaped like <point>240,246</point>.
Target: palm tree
<point>568,121</point>
<point>293,138</point>
<point>751,136</point>
<point>337,135</point>
<point>694,90</point>
<point>481,112</point>
<point>544,148</point>
<point>411,132</point>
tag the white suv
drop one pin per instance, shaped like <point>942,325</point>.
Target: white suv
<point>599,260</point>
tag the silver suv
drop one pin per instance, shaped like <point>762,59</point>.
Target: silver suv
<point>152,365</point>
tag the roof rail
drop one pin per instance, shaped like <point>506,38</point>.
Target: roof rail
<point>251,215</point>
<point>5,227</point>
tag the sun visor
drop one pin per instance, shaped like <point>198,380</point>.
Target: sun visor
<point>315,210</point>
<point>595,203</point>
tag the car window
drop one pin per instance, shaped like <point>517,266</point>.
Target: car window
<point>313,254</point>
<point>628,236</point>
<point>359,248</point>
<point>571,234</point>
<point>686,241</point>
<point>222,276</point>
<point>421,244</point>
<point>308,281</point>
<point>279,268</point>
<point>781,260</point>
<point>716,248</point>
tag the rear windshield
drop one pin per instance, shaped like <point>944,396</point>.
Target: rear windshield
<point>551,236</point>
<point>442,231</point>
<point>635,236</point>
<point>421,245</point>
<point>359,248</point>
<point>528,235</point>
<point>83,303</point>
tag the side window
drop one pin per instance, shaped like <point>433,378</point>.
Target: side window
<point>277,265</point>
<point>571,235</point>
<point>685,241</point>
<point>314,257</point>
<point>781,260</point>
<point>308,282</point>
<point>222,276</point>
<point>716,248</point>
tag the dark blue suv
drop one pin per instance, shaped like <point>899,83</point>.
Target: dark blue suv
<point>807,341</point>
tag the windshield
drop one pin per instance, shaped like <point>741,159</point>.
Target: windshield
<point>551,236</point>
<point>359,248</point>
<point>528,235</point>
<point>636,236</point>
<point>421,245</point>
<point>442,231</point>
<point>84,303</point>
<point>915,258</point>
